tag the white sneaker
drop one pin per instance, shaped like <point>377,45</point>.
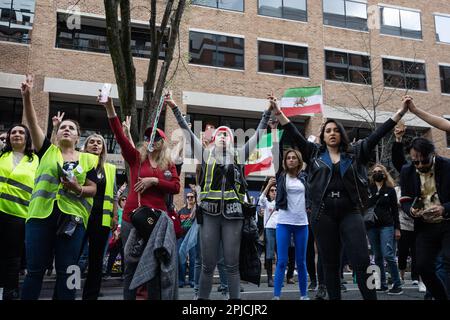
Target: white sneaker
<point>415,282</point>
<point>304,298</point>
<point>276,298</point>
<point>422,287</point>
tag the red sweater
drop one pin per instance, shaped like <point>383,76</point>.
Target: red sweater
<point>153,197</point>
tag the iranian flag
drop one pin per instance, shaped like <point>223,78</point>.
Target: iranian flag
<point>261,158</point>
<point>304,100</point>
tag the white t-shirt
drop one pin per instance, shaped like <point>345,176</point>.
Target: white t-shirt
<point>296,211</point>
<point>270,214</point>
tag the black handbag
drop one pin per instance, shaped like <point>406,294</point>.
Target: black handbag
<point>144,218</point>
<point>370,217</point>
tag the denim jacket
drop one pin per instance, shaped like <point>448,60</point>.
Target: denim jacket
<point>281,198</point>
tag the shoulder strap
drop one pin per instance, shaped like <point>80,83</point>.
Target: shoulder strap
<point>139,174</point>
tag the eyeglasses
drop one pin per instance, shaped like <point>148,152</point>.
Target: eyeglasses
<point>424,161</point>
<point>377,171</point>
<point>190,197</point>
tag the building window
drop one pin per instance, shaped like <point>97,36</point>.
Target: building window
<point>234,5</point>
<point>399,22</point>
<point>442,28</point>
<point>216,50</point>
<point>345,14</point>
<point>11,111</point>
<point>287,9</point>
<point>445,78</point>
<point>16,20</point>
<point>92,37</point>
<point>448,136</point>
<point>347,67</point>
<point>404,74</point>
<point>282,59</point>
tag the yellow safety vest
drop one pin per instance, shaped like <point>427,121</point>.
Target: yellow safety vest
<point>108,201</point>
<point>48,188</point>
<point>212,184</point>
<point>16,184</point>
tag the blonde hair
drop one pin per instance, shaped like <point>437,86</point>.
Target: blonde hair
<point>102,156</point>
<point>388,180</point>
<point>163,160</point>
<point>299,157</point>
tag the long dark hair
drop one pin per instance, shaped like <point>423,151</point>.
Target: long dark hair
<point>28,143</point>
<point>345,142</point>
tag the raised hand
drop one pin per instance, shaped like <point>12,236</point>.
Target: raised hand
<point>56,120</point>
<point>273,104</point>
<point>168,100</point>
<point>407,101</point>
<point>126,125</point>
<point>27,86</point>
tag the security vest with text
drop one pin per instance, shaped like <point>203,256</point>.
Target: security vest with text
<point>16,184</point>
<point>48,187</point>
<point>222,188</point>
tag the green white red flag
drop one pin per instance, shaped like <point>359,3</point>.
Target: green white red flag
<point>296,101</point>
<point>261,159</point>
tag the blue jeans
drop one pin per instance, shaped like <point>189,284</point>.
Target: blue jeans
<point>182,265</point>
<point>383,245</point>
<point>270,243</point>
<point>41,241</point>
<point>283,233</point>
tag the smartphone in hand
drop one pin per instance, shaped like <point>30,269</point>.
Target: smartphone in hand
<point>105,92</point>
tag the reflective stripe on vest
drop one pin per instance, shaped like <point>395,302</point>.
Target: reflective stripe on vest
<point>48,188</point>
<point>108,200</point>
<point>16,184</point>
<point>208,193</point>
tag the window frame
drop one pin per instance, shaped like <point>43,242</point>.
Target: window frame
<point>283,44</point>
<point>27,26</point>
<point>444,82</point>
<point>404,74</point>
<point>345,17</point>
<point>283,14</point>
<point>348,66</point>
<point>216,51</point>
<point>402,33</point>
<point>217,6</point>
<point>435,26</point>
<point>97,31</point>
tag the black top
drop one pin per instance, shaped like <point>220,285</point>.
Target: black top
<point>91,175</point>
<point>336,184</point>
<point>97,207</point>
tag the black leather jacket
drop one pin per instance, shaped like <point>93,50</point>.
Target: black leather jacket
<point>353,166</point>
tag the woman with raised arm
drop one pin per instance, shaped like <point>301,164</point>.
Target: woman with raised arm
<point>60,205</point>
<point>103,215</point>
<point>153,176</point>
<point>18,165</point>
<point>223,187</point>
<point>337,180</point>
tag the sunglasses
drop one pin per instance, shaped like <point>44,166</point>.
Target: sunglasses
<point>190,197</point>
<point>424,162</point>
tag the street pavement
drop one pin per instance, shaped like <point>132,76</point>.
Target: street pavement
<point>112,290</point>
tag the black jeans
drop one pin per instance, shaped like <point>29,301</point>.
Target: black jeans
<point>97,235</point>
<point>431,239</point>
<point>339,223</point>
<point>12,239</point>
<point>314,275</point>
<point>407,247</point>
